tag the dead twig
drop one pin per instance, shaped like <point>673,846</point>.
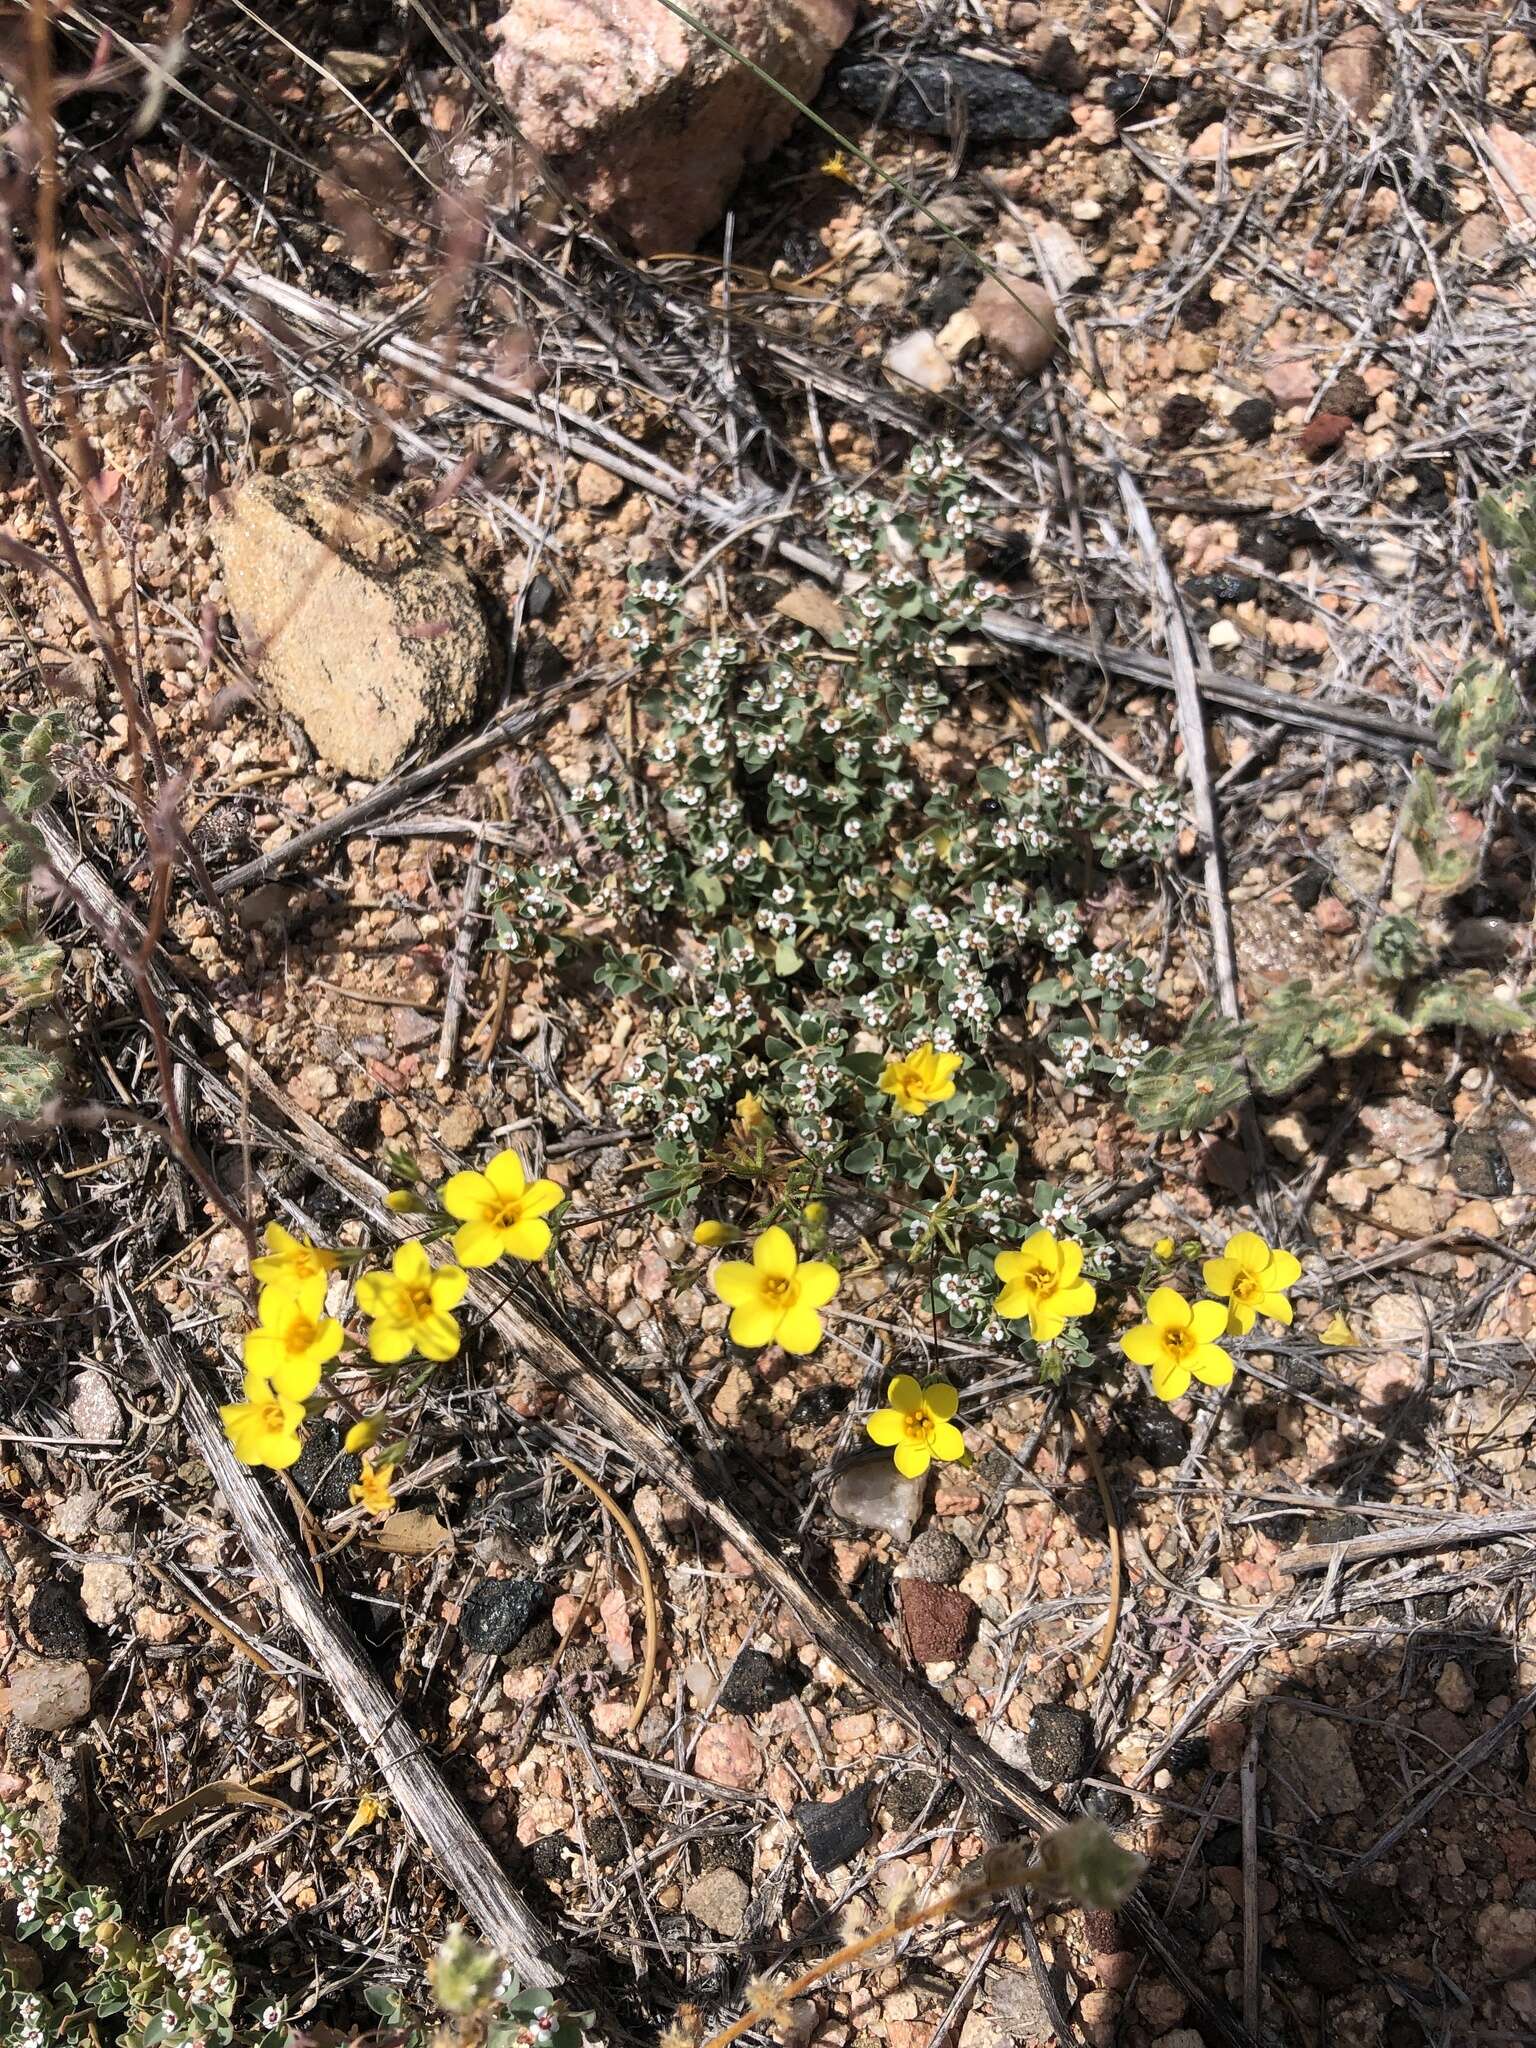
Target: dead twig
<point>647,1585</point>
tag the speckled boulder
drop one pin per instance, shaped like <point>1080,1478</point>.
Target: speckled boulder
<point>362,627</point>
<point>645,118</point>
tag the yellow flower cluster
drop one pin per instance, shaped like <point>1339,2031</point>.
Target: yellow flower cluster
<point>500,1213</point>
<point>1177,1340</point>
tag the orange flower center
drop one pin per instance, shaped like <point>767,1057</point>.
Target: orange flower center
<point>917,1428</point>
<point>505,1212</point>
<point>1247,1287</point>
<point>1040,1278</point>
<point>778,1289</point>
<point>270,1415</point>
<point>1177,1342</point>
<point>298,1336</point>
<point>418,1299</point>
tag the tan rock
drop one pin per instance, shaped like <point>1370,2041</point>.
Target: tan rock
<point>596,487</point>
<point>1018,320</point>
<point>648,120</point>
<point>49,1695</point>
<point>364,629</point>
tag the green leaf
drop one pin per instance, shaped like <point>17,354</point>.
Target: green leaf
<point>785,958</point>
<point>1472,722</point>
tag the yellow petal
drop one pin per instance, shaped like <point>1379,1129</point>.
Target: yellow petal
<point>912,1458</point>
<point>940,1399</point>
<point>1047,1323</point>
<point>528,1240</point>
<point>505,1174</point>
<point>1070,1262</point>
<point>1078,1300</point>
<point>1283,1270</point>
<point>376,1293</point>
<point>390,1341</point>
<point>885,1427</point>
<point>904,1394</point>
<point>1144,1345</point>
<point>1240,1320</point>
<point>539,1197</point>
<point>448,1285</point>
<point>1208,1320</point>
<point>261,1350</point>
<point>1167,1309</point>
<point>1016,1299</point>
<point>774,1253</point>
<point>437,1336</point>
<point>1248,1250</point>
<point>1212,1365</point>
<point>1336,1332</point>
<point>1276,1307</point>
<point>799,1330</point>
<point>735,1282</point>
<point>1008,1265</point>
<point>752,1325</point>
<point>477,1243</point>
<point>279,1452</point>
<point>468,1196</point>
<point>1170,1380</point>
<point>411,1264</point>
<point>295,1379</point>
<point>946,1442</point>
<point>1220,1275</point>
<point>818,1282</point>
<point>1041,1248</point>
<point>362,1436</point>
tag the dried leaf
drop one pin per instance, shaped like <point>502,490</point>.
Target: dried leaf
<point>808,605</point>
<point>222,1792</point>
<point>412,1532</point>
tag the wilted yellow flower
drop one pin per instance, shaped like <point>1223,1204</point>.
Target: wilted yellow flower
<point>501,1212</point>
<point>918,1427</point>
<point>372,1489</point>
<point>1337,1332</point>
<point>296,1339</point>
<point>263,1429</point>
<point>362,1436</point>
<point>369,1809</point>
<point>290,1261</point>
<point>1164,1249</point>
<point>751,1115</point>
<point>920,1079</point>
<point>775,1299</point>
<point>712,1235</point>
<point>1177,1344</point>
<point>836,166</point>
<point>409,1307</point>
<point>1254,1279</point>
<point>1043,1280</point>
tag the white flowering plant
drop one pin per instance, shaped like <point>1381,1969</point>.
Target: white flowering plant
<point>810,882</point>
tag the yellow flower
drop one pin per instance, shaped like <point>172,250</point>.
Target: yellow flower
<point>918,1425</point>
<point>409,1307</point>
<point>362,1436</point>
<point>1177,1343</point>
<point>836,166</point>
<point>502,1212</point>
<point>296,1340</point>
<point>751,1115</point>
<point>1254,1279</point>
<point>814,1213</point>
<point>291,1260</point>
<point>1164,1249</point>
<point>263,1428</point>
<point>712,1235</point>
<point>404,1201</point>
<point>921,1079</point>
<point>1337,1332</point>
<point>1042,1280</point>
<point>369,1809</point>
<point>775,1299</point>
<point>372,1489</point>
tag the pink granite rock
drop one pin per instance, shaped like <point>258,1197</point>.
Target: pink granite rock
<point>645,118</point>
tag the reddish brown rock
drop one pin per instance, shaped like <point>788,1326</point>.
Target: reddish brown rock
<point>646,119</point>
<point>1018,320</point>
<point>1323,433</point>
<point>938,1620</point>
<point>1355,66</point>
